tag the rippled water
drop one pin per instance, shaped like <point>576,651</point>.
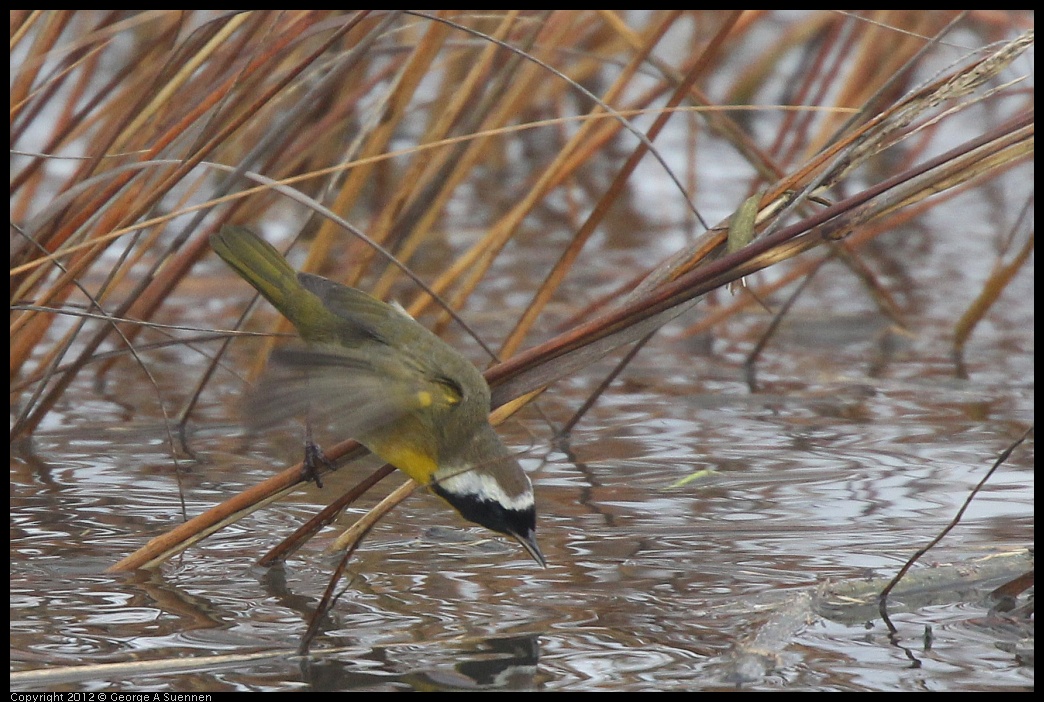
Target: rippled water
<point>824,472</point>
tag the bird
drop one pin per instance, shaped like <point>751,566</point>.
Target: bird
<point>384,379</point>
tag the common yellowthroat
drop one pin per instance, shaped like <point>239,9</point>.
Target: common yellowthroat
<point>389,383</point>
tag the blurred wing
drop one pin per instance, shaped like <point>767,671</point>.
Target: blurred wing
<point>355,389</point>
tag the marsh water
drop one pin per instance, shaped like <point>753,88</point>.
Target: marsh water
<point>854,448</point>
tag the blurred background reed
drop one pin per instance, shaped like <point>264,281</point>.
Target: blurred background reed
<point>136,134</point>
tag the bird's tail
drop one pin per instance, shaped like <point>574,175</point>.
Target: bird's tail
<point>261,265</point>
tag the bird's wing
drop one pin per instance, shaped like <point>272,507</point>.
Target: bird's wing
<point>356,389</point>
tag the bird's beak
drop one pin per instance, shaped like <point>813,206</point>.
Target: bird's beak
<point>529,543</point>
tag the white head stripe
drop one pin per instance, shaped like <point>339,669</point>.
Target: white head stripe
<point>486,487</point>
